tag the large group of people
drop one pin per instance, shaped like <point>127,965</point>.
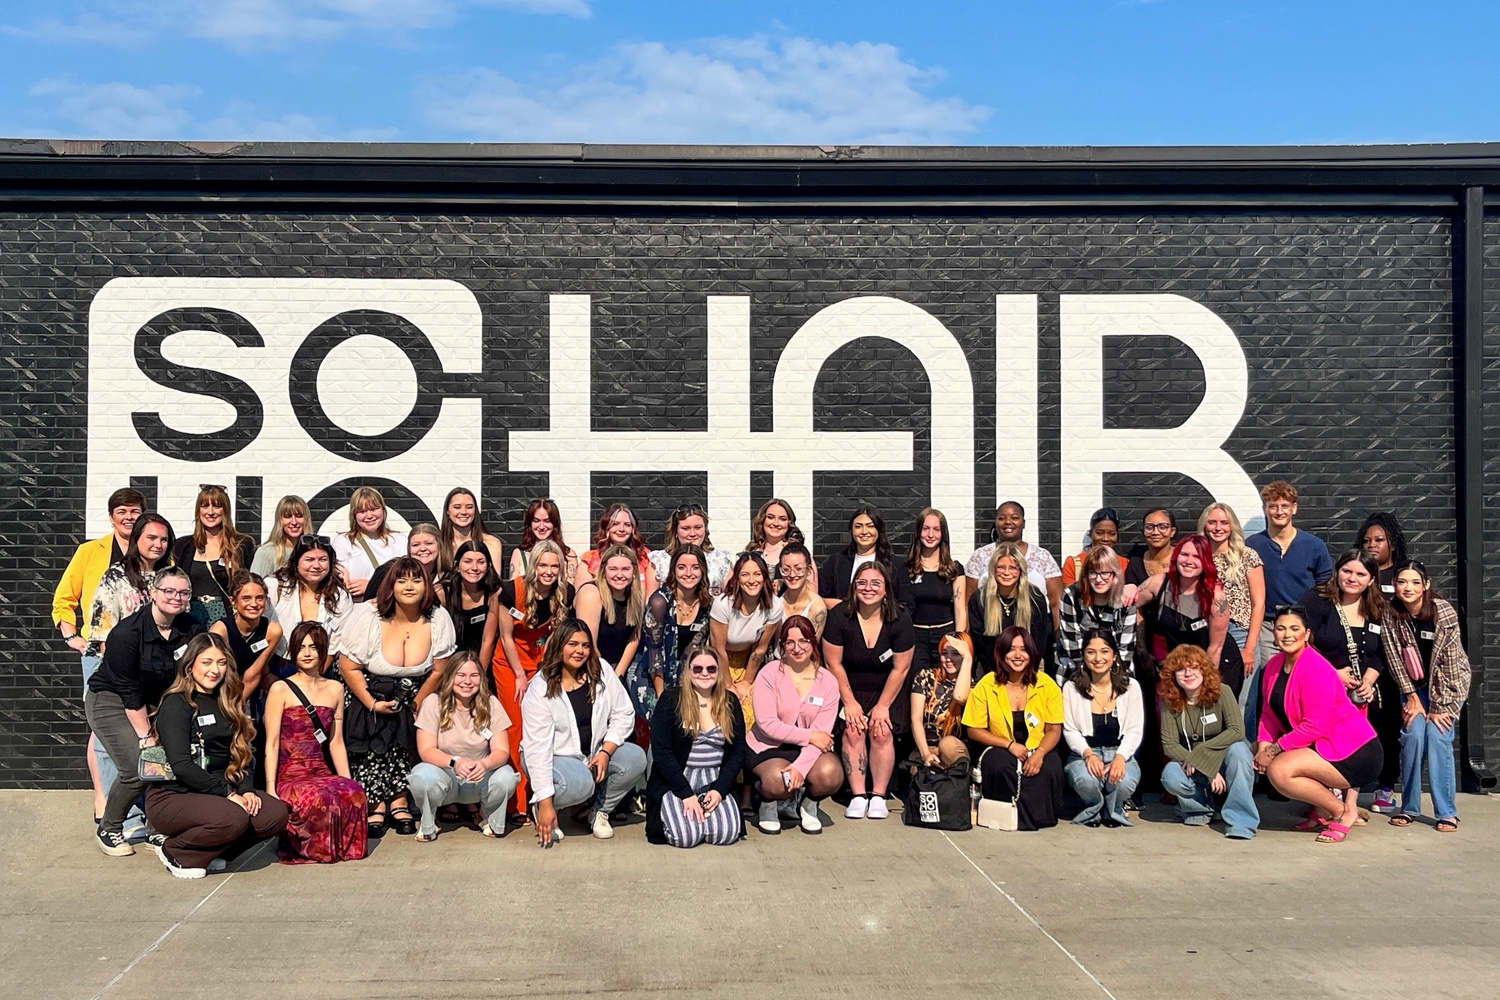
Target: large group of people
<point>327,690</point>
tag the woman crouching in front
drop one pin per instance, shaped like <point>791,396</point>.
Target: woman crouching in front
<point>208,807</point>
<point>1204,739</point>
<point>1312,737</point>
<point>698,751</point>
<point>576,719</point>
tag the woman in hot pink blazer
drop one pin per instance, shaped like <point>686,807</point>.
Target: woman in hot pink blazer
<point>1315,746</point>
<point>791,743</point>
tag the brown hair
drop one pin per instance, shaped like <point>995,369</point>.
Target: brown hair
<point>1278,490</point>
<point>400,568</point>
<point>230,540</point>
<point>949,569</point>
<point>1188,656</point>
<point>553,514</point>
<point>230,697</point>
<point>758,526</point>
<point>732,585</point>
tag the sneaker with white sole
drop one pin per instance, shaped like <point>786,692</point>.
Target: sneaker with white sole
<point>856,807</point>
<point>602,829</point>
<point>113,843</point>
<point>807,812</point>
<point>768,819</point>
<point>155,839</point>
<point>217,865</point>
<point>877,808</point>
<point>1385,801</point>
<point>178,871</point>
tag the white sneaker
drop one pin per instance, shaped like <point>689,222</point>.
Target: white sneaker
<point>768,818</point>
<point>602,829</point>
<point>217,865</point>
<point>856,807</point>
<point>877,808</point>
<point>807,811</point>
<point>177,870</point>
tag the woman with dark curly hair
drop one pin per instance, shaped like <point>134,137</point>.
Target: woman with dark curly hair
<point>1204,740</point>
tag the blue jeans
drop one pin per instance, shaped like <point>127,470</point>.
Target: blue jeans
<point>135,820</point>
<point>573,782</point>
<point>1097,794</point>
<point>434,787</point>
<point>1195,801</point>
<point>1422,740</point>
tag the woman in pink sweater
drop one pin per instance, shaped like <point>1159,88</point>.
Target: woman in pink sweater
<point>791,743</point>
<point>1315,745</point>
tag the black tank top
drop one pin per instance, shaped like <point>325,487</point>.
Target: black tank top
<point>614,638</point>
<point>932,600</point>
<point>247,649</point>
<point>470,623</point>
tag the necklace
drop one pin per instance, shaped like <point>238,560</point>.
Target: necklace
<point>1007,608</point>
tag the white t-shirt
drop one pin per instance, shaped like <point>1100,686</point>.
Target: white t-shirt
<point>351,555</point>
<point>745,630</point>
<point>1040,566</point>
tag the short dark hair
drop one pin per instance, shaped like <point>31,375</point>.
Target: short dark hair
<point>300,634</point>
<point>1033,654</point>
<point>400,568</point>
<point>127,497</point>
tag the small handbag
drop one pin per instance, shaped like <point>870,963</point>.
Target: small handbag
<point>996,814</point>
<point>153,767</point>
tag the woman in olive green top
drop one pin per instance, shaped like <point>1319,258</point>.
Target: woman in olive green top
<point>1203,736</point>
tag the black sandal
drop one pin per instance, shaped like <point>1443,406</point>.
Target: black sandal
<point>1449,825</point>
<point>404,826</point>
<point>1402,819</point>
<point>375,822</point>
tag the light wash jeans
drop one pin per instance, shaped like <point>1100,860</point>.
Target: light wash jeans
<point>1098,795</point>
<point>434,787</point>
<point>573,782</point>
<point>1195,802</point>
<point>1423,740</point>
<point>1265,648</point>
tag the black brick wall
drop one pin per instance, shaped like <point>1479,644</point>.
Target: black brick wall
<point>1346,320</point>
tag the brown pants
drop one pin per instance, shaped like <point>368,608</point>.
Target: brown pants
<point>200,827</point>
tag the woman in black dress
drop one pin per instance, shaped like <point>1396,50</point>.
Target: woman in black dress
<point>937,587</point>
<point>250,632</point>
<point>468,594</point>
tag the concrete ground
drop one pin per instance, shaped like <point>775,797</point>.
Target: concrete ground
<point>1158,911</point>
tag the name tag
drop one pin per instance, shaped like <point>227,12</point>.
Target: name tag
<point>1386,588</point>
<point>1427,635</point>
<point>485,733</point>
<point>177,653</point>
<point>813,699</point>
<point>1210,717</point>
<point>256,647</point>
<point>482,616</point>
<point>1199,625</point>
<point>1374,629</point>
<point>207,720</point>
<point>320,736</point>
<point>517,614</point>
<point>887,655</point>
<point>1032,721</point>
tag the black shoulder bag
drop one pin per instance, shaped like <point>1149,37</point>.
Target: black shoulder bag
<point>319,733</point>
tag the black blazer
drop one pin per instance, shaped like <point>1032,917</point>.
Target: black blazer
<point>834,574</point>
<point>670,747</point>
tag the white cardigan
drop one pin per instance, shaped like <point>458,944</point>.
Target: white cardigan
<point>549,730</point>
<point>1078,719</point>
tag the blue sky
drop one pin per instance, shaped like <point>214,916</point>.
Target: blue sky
<point>1128,72</point>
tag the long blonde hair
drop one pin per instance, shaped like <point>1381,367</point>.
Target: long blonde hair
<point>447,700</point>
<point>1234,549</point>
<point>635,598</point>
<point>363,499</point>
<point>557,608</point>
<point>718,698</point>
<point>989,591</point>
<point>230,698</point>
<point>281,545</point>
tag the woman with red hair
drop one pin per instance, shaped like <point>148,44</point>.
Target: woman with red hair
<point>1204,739</point>
<point>1191,608</point>
<point>617,526</point>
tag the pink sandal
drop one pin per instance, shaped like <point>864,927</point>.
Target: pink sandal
<point>1333,833</point>
<point>1313,824</point>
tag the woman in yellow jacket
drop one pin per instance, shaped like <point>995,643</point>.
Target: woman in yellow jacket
<point>1014,717</point>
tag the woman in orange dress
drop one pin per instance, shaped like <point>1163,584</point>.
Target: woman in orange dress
<point>529,607</point>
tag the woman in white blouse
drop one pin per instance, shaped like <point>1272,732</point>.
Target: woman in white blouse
<point>742,622</point>
<point>391,654</point>
<point>575,720</point>
<point>369,542</point>
<point>308,588</point>
<point>1104,718</point>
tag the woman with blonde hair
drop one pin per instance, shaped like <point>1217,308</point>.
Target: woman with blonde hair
<point>1005,597</point>
<point>209,804</point>
<point>463,743</point>
<point>612,605</point>
<point>698,751</point>
<point>1204,740</point>
<point>1243,577</point>
<point>293,520</point>
<point>369,543</point>
<point>424,543</point>
<point>212,554</point>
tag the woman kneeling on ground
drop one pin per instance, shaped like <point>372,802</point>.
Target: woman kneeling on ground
<point>697,753</point>
<point>463,741</point>
<point>576,720</point>
<point>208,807</point>
<point>1313,739</point>
<point>791,741</point>
<point>1104,721</point>
<point>1204,740</point>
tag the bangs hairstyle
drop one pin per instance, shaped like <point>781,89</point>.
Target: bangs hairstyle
<point>1003,647</point>
<point>1208,582</point>
<point>230,540</point>
<point>289,506</point>
<point>669,540</point>
<point>363,499</point>
<point>551,668</point>
<point>948,568</point>
<point>528,538</point>
<point>1102,560</point>
<point>882,543</point>
<point>330,588</point>
<point>701,593</point>
<point>718,698</point>
<point>229,698</point>
<point>479,711</point>
<point>1371,602</point>
<point>1398,606</point>
<point>400,568</point>
<point>888,609</point>
<point>453,590</point>
<point>802,624</point>
<point>1234,546</point>
<point>635,593</point>
<point>556,607</point>
<point>134,564</point>
<point>601,532</point>
<point>1119,674</point>
<point>763,600</point>
<point>301,634</point>
<point>758,526</point>
<point>1188,656</point>
<point>989,590</point>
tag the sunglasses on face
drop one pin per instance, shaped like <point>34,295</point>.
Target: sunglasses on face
<point>704,670</point>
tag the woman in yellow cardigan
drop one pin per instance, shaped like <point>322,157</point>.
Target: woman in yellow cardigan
<point>1014,717</point>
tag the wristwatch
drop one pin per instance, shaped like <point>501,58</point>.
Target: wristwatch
<point>453,763</point>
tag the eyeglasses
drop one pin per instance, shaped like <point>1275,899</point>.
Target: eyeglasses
<point>870,585</point>
<point>1101,575</point>
<point>1156,529</point>
<point>1188,670</point>
<point>176,595</point>
<point>704,669</point>
<point>796,641</point>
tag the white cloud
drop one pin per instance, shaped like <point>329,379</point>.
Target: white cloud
<point>791,90</point>
<point>247,25</point>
